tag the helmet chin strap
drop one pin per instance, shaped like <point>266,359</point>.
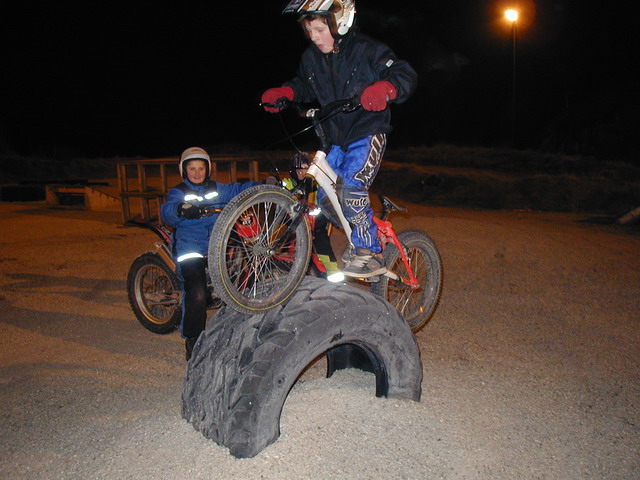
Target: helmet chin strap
<point>336,45</point>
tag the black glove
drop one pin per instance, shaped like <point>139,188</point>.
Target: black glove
<point>186,210</point>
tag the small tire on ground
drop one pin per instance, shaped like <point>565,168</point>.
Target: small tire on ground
<point>244,366</point>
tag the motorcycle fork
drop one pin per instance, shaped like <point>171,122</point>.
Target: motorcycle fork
<point>165,254</point>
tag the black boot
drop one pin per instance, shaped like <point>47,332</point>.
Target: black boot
<point>189,343</point>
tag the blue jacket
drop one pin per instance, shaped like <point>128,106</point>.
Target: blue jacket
<point>192,235</point>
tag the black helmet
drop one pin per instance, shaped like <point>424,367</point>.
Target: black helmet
<point>299,160</point>
<point>340,13</point>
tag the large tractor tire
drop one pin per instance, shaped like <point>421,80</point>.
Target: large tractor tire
<point>244,366</point>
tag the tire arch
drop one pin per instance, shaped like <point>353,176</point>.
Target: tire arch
<point>243,368</point>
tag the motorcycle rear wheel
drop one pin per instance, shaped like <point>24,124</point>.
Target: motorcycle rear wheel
<point>154,293</point>
<point>415,305</point>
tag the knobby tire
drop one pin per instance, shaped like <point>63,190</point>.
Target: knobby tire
<point>154,293</point>
<point>415,305</point>
<point>243,366</point>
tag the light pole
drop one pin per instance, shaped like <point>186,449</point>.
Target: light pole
<point>512,16</point>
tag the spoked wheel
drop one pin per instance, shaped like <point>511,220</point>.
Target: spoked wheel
<point>259,250</point>
<point>415,305</point>
<point>154,293</point>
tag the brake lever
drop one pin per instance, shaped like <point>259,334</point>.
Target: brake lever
<point>353,105</point>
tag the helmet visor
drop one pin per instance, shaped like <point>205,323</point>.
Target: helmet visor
<point>340,12</point>
<point>309,6</point>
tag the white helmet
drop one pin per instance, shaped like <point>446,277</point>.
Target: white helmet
<point>340,13</point>
<point>193,153</point>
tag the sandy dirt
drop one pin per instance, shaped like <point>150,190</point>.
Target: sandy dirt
<point>531,362</point>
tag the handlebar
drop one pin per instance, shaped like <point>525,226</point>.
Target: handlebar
<point>205,210</point>
<point>318,114</point>
<point>208,210</point>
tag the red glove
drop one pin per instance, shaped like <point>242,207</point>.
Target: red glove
<point>375,97</point>
<point>274,94</point>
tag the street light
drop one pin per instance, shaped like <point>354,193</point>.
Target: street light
<point>512,16</point>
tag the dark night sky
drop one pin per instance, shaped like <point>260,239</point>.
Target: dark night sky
<point>145,79</point>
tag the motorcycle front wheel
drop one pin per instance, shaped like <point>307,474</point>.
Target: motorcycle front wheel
<point>259,249</point>
<point>154,293</point>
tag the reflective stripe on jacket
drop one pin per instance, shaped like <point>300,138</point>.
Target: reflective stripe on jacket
<point>191,236</point>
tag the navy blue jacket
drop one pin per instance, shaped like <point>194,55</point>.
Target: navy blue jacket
<point>360,62</point>
<point>192,235</point>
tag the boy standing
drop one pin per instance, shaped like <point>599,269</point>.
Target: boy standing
<point>340,64</point>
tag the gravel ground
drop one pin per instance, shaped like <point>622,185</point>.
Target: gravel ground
<point>530,362</point>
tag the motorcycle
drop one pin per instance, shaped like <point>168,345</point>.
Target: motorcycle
<point>154,287</point>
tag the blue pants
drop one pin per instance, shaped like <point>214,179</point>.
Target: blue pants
<point>357,166</point>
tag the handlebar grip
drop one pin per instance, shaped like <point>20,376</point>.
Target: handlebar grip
<point>280,104</point>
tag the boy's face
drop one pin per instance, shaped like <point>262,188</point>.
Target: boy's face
<point>320,35</point>
<point>196,171</point>
<point>301,172</point>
